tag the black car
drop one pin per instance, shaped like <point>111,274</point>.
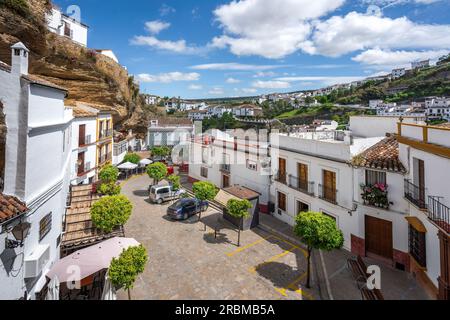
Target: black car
<point>185,208</point>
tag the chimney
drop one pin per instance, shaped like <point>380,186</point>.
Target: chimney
<point>19,59</point>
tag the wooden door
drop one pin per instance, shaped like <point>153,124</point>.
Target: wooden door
<point>282,170</point>
<point>444,278</point>
<point>302,171</point>
<point>329,185</point>
<point>82,135</point>
<point>379,240</point>
<point>225,181</point>
<point>80,163</point>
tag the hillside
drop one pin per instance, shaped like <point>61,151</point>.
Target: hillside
<point>89,77</point>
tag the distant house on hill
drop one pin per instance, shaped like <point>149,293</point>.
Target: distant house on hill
<point>169,131</point>
<point>109,53</point>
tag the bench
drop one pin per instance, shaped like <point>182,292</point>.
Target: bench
<point>374,294</point>
<point>359,270</point>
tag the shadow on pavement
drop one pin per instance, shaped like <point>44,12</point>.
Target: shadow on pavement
<point>280,274</point>
<point>141,193</point>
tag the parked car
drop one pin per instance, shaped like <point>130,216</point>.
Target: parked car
<point>161,193</point>
<point>185,208</point>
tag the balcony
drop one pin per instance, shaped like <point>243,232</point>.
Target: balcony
<point>415,195</point>
<point>328,194</point>
<point>439,213</point>
<point>225,168</point>
<point>84,141</point>
<point>375,195</point>
<point>104,158</point>
<point>103,134</point>
<point>83,169</point>
<point>281,177</point>
<point>306,187</point>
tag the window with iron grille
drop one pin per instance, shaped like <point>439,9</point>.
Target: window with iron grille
<point>374,177</point>
<point>282,201</point>
<point>417,246</point>
<point>45,225</point>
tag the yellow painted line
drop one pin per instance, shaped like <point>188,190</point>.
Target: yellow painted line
<point>281,291</point>
<point>291,244</point>
<point>274,258</point>
<point>249,246</point>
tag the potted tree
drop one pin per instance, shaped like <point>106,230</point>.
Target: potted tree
<point>239,209</point>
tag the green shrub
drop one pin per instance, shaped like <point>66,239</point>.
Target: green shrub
<point>174,181</point>
<point>110,212</point>
<point>109,189</point>
<point>132,157</point>
<point>109,174</point>
<point>124,269</point>
<point>157,171</point>
<point>204,190</point>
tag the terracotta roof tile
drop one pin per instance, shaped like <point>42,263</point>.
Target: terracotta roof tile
<point>242,192</point>
<point>10,207</point>
<point>5,67</point>
<point>382,156</point>
<point>38,80</point>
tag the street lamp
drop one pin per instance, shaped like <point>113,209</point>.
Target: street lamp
<point>20,232</point>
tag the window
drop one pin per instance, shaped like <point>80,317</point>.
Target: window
<point>163,191</point>
<point>205,155</point>
<point>302,207</point>
<point>417,247</point>
<point>204,172</point>
<point>330,216</point>
<point>282,201</point>
<point>251,165</point>
<point>374,177</point>
<point>45,225</point>
<point>16,52</point>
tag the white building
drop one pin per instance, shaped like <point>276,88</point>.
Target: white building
<point>169,132</point>
<point>232,158</point>
<point>124,143</point>
<point>420,64</point>
<point>247,110</point>
<point>398,73</point>
<point>63,25</point>
<point>437,108</point>
<point>36,173</point>
<point>426,153</point>
<point>151,99</point>
<point>92,144</point>
<point>108,53</point>
<point>373,104</point>
<point>199,115</point>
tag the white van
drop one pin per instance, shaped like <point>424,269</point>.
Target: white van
<point>161,193</point>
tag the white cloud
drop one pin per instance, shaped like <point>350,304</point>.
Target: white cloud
<point>387,58</point>
<point>165,9</point>
<point>269,28</point>
<point>168,77</point>
<point>233,66</point>
<point>326,80</point>
<point>156,26</point>
<point>277,84</point>
<point>355,31</point>
<point>232,80</point>
<point>216,91</point>
<point>195,87</point>
<point>263,74</point>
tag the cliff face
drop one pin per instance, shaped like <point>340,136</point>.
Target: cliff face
<point>88,76</point>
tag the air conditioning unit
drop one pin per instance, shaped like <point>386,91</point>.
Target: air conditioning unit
<point>36,261</point>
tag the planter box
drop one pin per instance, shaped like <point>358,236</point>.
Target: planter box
<point>249,223</point>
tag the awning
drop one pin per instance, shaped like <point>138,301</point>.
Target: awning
<point>416,224</point>
<point>127,166</point>
<point>223,197</point>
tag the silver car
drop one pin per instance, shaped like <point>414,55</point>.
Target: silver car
<point>159,194</point>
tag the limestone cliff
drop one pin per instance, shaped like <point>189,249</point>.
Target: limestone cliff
<point>88,76</point>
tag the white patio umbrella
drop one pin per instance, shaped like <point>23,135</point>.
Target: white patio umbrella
<point>127,166</point>
<point>145,162</point>
<point>83,263</point>
<point>109,292</point>
<point>53,289</point>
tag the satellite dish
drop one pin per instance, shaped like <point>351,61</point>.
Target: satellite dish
<point>374,10</point>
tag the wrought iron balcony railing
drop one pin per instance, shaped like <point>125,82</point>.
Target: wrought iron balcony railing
<point>415,194</point>
<point>328,194</point>
<point>225,168</point>
<point>439,213</point>
<point>302,185</point>
<point>107,133</point>
<point>281,177</point>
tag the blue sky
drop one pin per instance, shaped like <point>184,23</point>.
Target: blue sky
<point>210,49</point>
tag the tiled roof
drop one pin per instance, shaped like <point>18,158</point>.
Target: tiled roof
<point>82,112</point>
<point>10,207</point>
<point>40,81</point>
<point>5,67</point>
<point>242,192</point>
<point>382,156</point>
<point>444,125</point>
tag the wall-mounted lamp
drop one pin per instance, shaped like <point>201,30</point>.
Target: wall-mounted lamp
<point>355,207</point>
<point>20,232</point>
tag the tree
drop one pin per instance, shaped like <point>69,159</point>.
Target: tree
<point>110,212</point>
<point>124,270</point>
<point>318,231</point>
<point>161,151</point>
<point>109,189</point>
<point>109,174</point>
<point>239,209</point>
<point>157,171</point>
<point>204,191</point>
<point>132,157</point>
<point>174,181</point>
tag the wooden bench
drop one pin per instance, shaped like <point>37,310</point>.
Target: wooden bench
<point>374,294</point>
<point>359,270</point>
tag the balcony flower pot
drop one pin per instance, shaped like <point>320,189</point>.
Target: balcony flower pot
<point>375,195</point>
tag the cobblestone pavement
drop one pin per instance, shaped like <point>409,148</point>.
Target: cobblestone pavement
<point>185,262</point>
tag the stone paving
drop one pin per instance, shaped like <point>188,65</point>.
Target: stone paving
<point>185,262</point>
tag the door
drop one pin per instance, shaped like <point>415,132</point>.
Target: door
<point>282,170</point>
<point>82,135</point>
<point>80,163</point>
<point>225,181</point>
<point>329,185</point>
<point>379,237</point>
<point>302,171</point>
